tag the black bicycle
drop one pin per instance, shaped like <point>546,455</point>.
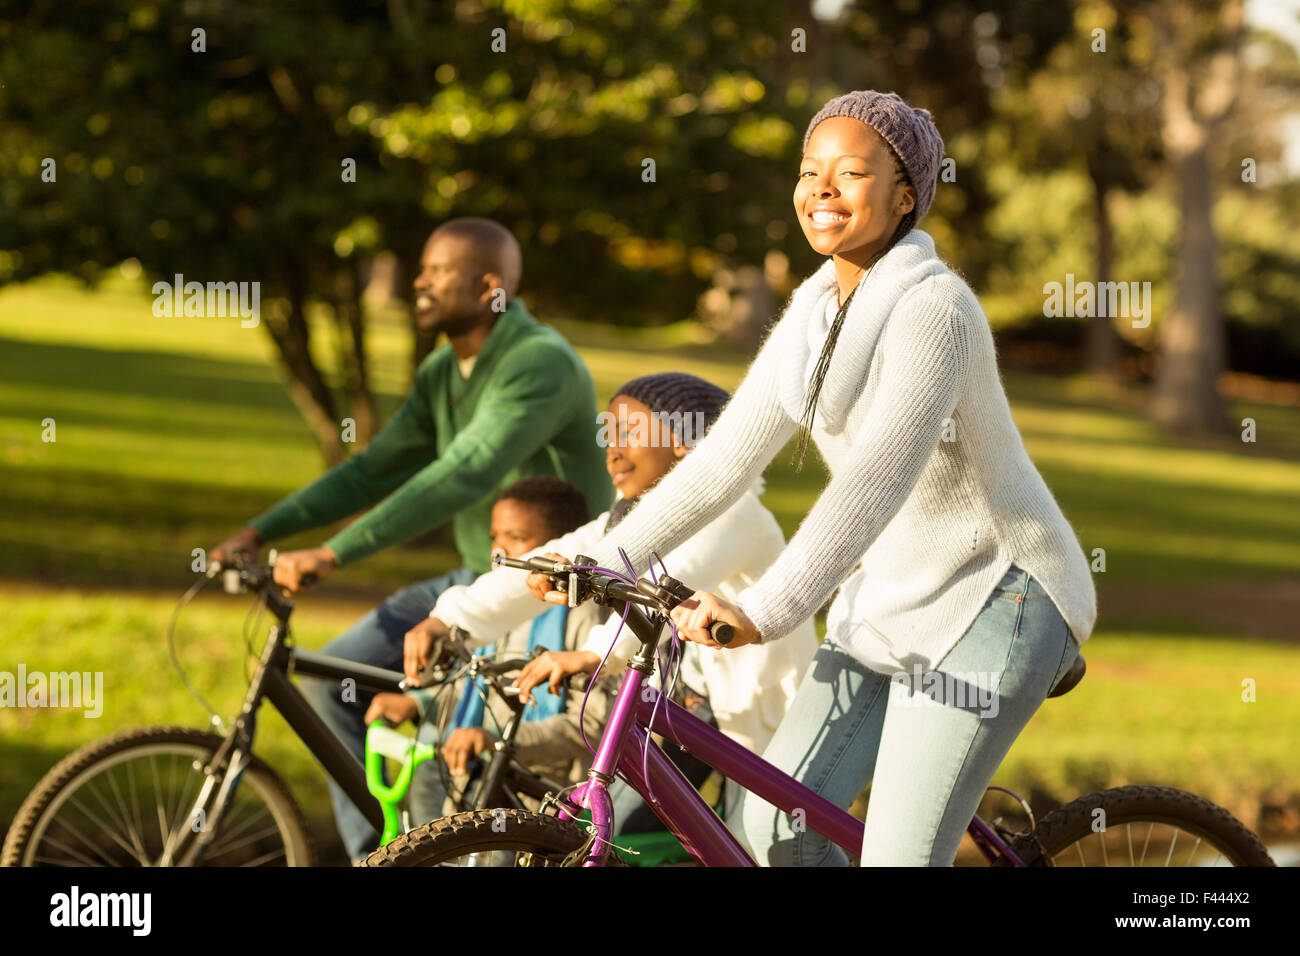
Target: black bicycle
<point>178,796</point>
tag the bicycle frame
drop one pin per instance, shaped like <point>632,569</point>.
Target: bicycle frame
<point>679,805</point>
<point>272,681</point>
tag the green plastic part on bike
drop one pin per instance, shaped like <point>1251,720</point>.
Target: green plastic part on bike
<point>655,848</point>
<point>658,848</point>
<point>382,741</point>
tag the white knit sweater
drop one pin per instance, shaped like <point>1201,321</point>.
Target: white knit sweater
<point>935,521</point>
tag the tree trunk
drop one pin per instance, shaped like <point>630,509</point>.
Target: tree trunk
<point>1185,396</point>
<point>350,318</point>
<point>1103,341</point>
<point>306,386</point>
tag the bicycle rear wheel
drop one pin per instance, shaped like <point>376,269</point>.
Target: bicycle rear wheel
<point>122,800</point>
<point>489,838</point>
<point>1140,826</point>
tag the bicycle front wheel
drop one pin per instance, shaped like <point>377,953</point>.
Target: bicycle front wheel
<point>124,800</point>
<point>489,838</point>
<point>1140,826</point>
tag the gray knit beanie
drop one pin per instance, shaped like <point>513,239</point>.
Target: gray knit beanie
<point>909,130</point>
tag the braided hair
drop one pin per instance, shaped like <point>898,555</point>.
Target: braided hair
<point>828,347</point>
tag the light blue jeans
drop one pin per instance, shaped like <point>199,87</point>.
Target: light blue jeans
<point>928,747</point>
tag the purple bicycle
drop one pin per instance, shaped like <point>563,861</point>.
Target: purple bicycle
<point>1140,825</point>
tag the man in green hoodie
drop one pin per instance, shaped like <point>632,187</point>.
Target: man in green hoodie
<point>505,398</point>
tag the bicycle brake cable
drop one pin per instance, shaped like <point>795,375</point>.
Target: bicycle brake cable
<point>251,620</point>
<point>176,663</point>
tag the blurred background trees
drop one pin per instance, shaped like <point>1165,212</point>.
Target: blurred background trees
<point>644,155</point>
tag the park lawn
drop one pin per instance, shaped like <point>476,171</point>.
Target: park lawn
<point>172,432</point>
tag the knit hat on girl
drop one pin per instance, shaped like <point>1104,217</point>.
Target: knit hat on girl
<point>909,130</point>
<point>680,397</point>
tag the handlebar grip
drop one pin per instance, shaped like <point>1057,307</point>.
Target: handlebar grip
<point>722,632</point>
<point>538,563</point>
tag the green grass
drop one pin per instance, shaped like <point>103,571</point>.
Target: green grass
<point>172,432</point>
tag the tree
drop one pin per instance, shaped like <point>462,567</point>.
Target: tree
<point>211,141</point>
<point>1089,106</point>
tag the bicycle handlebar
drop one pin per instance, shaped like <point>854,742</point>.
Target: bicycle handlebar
<point>663,596</point>
<point>238,574</point>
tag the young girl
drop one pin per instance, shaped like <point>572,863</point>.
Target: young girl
<point>954,563</point>
<point>658,418</point>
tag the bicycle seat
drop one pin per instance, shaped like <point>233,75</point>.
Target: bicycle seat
<point>1070,678</point>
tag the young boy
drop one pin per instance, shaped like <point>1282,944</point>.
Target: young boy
<point>526,514</point>
<point>658,418</point>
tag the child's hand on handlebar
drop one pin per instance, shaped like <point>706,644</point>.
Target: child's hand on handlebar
<point>393,709</point>
<point>553,668</point>
<point>541,585</point>
<point>421,646</point>
<point>693,617</point>
<point>464,744</point>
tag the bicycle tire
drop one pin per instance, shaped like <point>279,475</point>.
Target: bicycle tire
<point>546,840</point>
<point>1071,825</point>
<point>63,780</point>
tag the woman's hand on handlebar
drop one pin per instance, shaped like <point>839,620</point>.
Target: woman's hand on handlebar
<point>694,615</point>
<point>553,668</point>
<point>541,585</point>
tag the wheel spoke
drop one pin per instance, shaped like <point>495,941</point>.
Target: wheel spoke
<point>270,855</point>
<point>260,834</point>
<point>163,832</point>
<point>135,801</point>
<point>125,816</point>
<point>228,831</point>
<point>107,831</point>
<point>82,860</point>
<point>177,817</point>
<point>93,846</point>
<point>93,787</point>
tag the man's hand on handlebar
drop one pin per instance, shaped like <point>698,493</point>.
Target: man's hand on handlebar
<point>541,585</point>
<point>424,644</point>
<point>694,616</point>
<point>246,540</point>
<point>299,570</point>
<point>553,668</point>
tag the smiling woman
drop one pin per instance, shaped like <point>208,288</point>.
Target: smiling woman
<point>932,499</point>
